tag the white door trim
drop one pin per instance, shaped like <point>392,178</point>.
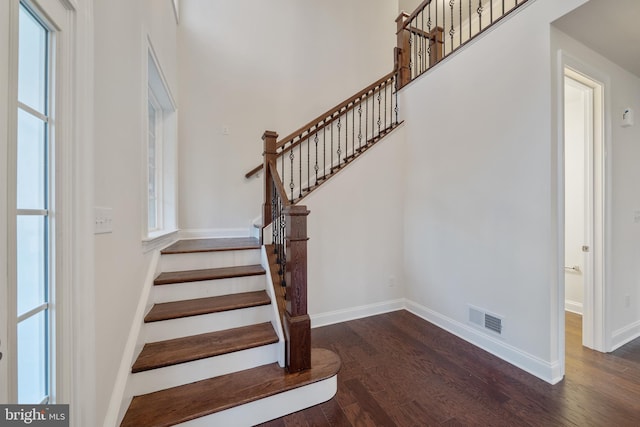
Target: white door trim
<point>595,332</point>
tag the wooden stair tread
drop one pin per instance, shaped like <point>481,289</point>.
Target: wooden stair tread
<point>195,307</point>
<point>187,402</point>
<point>186,349</point>
<point>208,274</point>
<point>212,245</point>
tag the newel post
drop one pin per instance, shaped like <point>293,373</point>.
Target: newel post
<point>297,324</point>
<point>403,51</point>
<point>270,139</point>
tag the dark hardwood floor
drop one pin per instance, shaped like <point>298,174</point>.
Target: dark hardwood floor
<point>398,370</point>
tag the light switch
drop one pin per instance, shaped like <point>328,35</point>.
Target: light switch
<point>103,220</point>
<point>627,118</point>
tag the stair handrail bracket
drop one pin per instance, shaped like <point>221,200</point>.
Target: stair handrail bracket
<point>288,223</point>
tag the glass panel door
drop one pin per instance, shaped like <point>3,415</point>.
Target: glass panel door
<point>33,228</point>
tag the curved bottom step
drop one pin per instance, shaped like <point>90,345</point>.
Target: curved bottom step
<point>240,399</point>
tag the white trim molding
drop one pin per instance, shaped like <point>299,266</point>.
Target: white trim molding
<point>353,313</point>
<point>550,372</point>
<point>625,335</point>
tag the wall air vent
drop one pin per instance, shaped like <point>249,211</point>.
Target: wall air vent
<point>484,320</point>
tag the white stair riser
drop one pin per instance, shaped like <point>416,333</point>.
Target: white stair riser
<point>184,373</point>
<point>269,408</point>
<point>194,325</point>
<point>201,260</point>
<point>207,288</point>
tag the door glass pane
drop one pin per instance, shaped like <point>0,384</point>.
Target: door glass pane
<point>32,262</point>
<point>32,154</point>
<point>32,65</point>
<point>32,359</point>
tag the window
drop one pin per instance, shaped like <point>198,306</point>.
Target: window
<point>34,256</point>
<point>154,164</point>
<point>161,156</point>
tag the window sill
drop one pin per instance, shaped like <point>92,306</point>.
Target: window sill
<point>159,239</point>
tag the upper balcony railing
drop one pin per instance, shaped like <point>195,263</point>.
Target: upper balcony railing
<point>438,28</point>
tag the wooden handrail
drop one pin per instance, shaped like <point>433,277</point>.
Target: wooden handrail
<point>325,119</point>
<point>275,176</point>
<point>415,13</point>
<point>335,109</point>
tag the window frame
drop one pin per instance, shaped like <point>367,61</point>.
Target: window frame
<point>157,90</point>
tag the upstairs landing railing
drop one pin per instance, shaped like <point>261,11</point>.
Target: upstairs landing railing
<point>296,165</point>
<point>436,29</point>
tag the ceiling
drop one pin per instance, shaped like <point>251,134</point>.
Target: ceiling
<point>610,27</point>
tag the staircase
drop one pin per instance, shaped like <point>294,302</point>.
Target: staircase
<point>213,344</point>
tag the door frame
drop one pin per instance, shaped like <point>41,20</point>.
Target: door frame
<point>595,307</point>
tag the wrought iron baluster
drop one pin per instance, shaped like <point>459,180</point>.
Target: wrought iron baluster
<point>479,10</point>
<point>300,168</point>
<point>339,152</point>
<point>360,123</point>
<point>331,167</point>
<point>316,167</point>
<point>410,55</point>
<point>385,105</point>
<point>460,17</point>
<point>436,27</point>
<point>366,118</point>
<point>395,83</point>
<point>291,182</point>
<point>324,152</point>
<point>379,109</point>
<point>283,250</point>
<point>353,129</point>
<point>490,12</point>
<point>452,30</point>
<point>503,7</point>
<point>429,39</point>
<point>470,15</point>
<point>274,209</point>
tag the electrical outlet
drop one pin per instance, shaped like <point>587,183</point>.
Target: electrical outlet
<point>225,130</point>
<point>392,282</point>
<point>627,301</point>
<point>636,216</point>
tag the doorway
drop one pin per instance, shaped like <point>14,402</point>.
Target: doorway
<point>583,204</point>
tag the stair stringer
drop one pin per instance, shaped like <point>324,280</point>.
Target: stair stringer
<point>275,315</point>
<point>121,395</point>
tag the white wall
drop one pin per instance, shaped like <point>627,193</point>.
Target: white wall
<point>622,91</point>
<point>121,29</point>
<point>355,228</point>
<point>480,210</point>
<point>250,66</point>
<point>574,195</point>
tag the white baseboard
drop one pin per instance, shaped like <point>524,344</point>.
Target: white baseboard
<point>211,233</point>
<point>117,406</point>
<point>625,335</point>
<point>573,307</point>
<point>549,372</point>
<point>353,313</point>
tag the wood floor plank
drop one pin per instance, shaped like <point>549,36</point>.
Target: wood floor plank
<point>186,349</point>
<point>195,307</point>
<point>212,245</point>
<point>171,277</point>
<point>431,377</point>
<point>180,404</point>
